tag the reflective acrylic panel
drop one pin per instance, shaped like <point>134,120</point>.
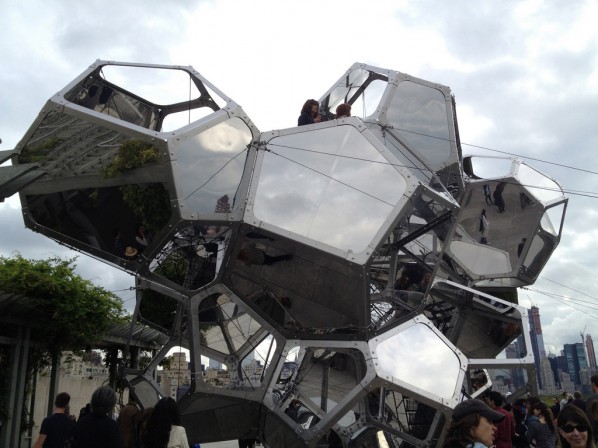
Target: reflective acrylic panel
<point>419,115</point>
<point>541,187</point>
<point>313,179</point>
<point>415,356</point>
<point>209,166</point>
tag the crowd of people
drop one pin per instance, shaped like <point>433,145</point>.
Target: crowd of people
<point>98,427</point>
<point>526,423</point>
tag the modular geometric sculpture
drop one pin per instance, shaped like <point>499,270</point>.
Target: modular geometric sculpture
<point>334,271</point>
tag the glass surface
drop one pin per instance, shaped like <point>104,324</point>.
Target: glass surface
<point>210,165</point>
<point>552,219</point>
<point>314,184</point>
<point>490,167</point>
<point>367,101</point>
<point>144,391</point>
<point>415,356</point>
<point>538,253</point>
<point>540,186</point>
<point>419,115</point>
<point>213,338</point>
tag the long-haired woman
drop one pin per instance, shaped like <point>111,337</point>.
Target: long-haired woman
<point>542,431</point>
<point>574,428</point>
<point>164,428</point>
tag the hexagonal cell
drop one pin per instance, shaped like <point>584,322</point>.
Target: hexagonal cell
<point>308,179</point>
<point>506,215</point>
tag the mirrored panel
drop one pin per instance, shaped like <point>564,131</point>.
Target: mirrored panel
<point>145,393</point>
<point>312,179</point>
<point>538,253</point>
<point>419,115</point>
<point>415,355</point>
<point>192,257</point>
<point>209,166</point>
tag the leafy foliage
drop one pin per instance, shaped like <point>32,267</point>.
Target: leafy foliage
<point>71,312</point>
<point>150,202</point>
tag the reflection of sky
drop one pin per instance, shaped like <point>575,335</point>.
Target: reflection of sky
<point>419,357</point>
<point>336,200</point>
<point>542,187</point>
<point>421,110</point>
<point>205,166</point>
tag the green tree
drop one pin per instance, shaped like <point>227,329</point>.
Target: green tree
<point>68,312</point>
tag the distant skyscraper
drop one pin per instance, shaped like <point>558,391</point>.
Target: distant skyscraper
<point>537,340</point>
<point>576,360</point>
<point>590,352</point>
<point>513,351</point>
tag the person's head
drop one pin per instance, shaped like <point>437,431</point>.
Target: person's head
<point>62,400</point>
<point>343,110</point>
<point>483,212</point>
<point>540,409</point>
<point>574,428</point>
<point>530,401</point>
<point>577,395</point>
<point>473,421</point>
<point>311,106</point>
<point>140,229</point>
<point>165,414</point>
<point>569,398</point>
<point>494,399</point>
<point>565,394</point>
<point>594,382</point>
<point>103,400</point>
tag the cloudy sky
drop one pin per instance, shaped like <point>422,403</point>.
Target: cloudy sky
<point>524,74</point>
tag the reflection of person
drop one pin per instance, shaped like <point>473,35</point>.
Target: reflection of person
<point>472,425</point>
<point>487,195</point>
<point>343,110</point>
<point>141,238</point>
<point>484,224</point>
<point>520,246</point>
<point>309,113</point>
<point>164,428</point>
<point>574,428</point>
<point>498,199</point>
<point>56,429</point>
<point>251,255</point>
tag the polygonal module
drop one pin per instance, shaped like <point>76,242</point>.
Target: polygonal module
<point>326,271</point>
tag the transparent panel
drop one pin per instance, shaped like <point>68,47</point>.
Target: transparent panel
<point>210,165</point>
<point>538,253</point>
<point>491,167</point>
<point>144,391</point>
<point>158,310</point>
<point>312,179</point>
<point>540,187</point>
<point>415,355</point>
<point>177,120</point>
<point>241,329</point>
<point>213,338</point>
<point>553,218</point>
<point>255,363</point>
<point>419,114</point>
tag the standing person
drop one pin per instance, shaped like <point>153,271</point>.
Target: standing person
<point>309,113</point>
<point>574,428</point>
<point>592,407</point>
<point>98,430</point>
<point>505,429</point>
<point>565,399</point>
<point>578,401</point>
<point>472,425</point>
<point>484,224</point>
<point>542,432</point>
<point>56,429</point>
<point>164,428</point>
<point>127,424</point>
<point>343,110</point>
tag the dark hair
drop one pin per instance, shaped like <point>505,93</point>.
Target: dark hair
<point>594,380</point>
<point>458,434</point>
<point>343,110</point>
<point>493,395</point>
<point>546,413</point>
<point>165,414</point>
<point>103,400</point>
<point>531,400</point>
<point>62,400</point>
<point>575,415</point>
<point>307,106</point>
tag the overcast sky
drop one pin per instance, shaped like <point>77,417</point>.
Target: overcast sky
<point>524,75</point>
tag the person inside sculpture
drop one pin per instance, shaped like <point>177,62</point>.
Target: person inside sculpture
<point>574,427</point>
<point>343,110</point>
<point>309,113</point>
<point>472,426</point>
